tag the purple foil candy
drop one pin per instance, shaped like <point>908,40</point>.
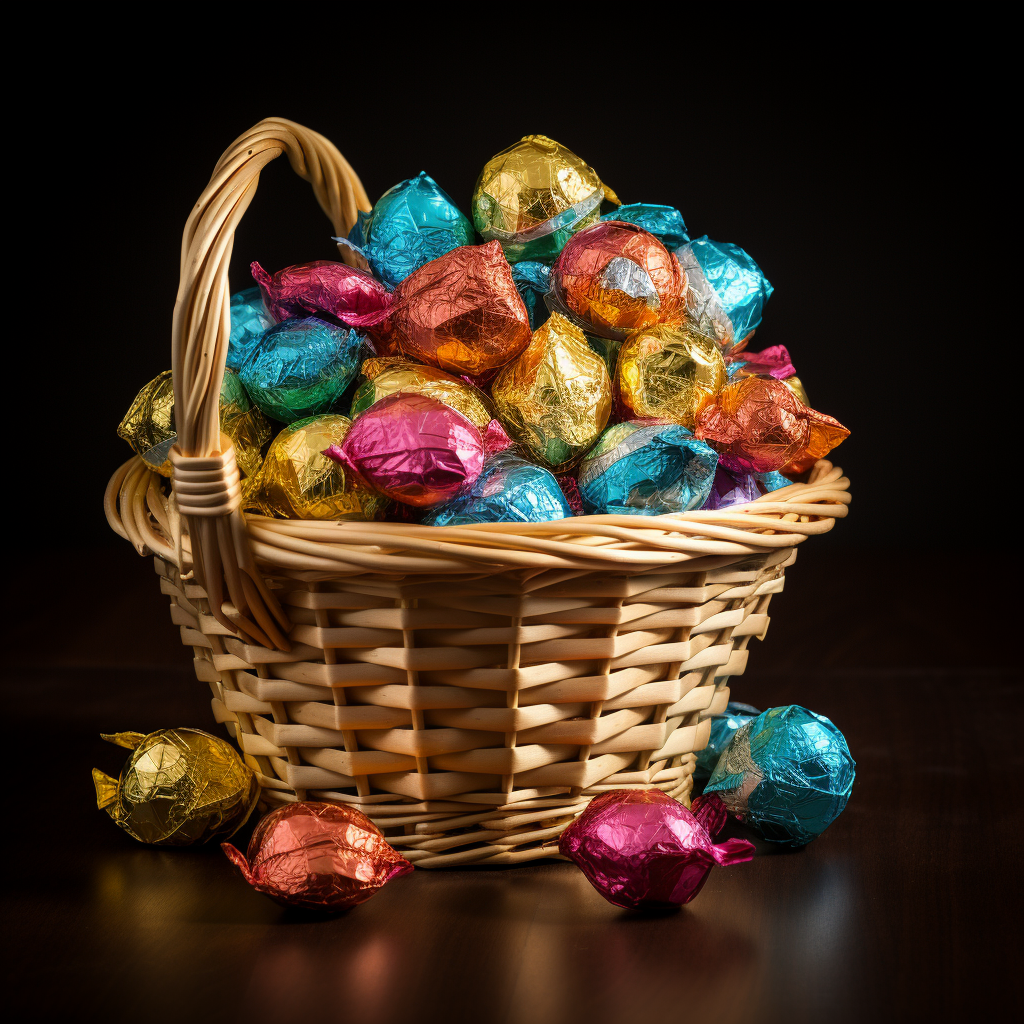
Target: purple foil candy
<point>640,849</point>
<point>322,288</point>
<point>732,489</point>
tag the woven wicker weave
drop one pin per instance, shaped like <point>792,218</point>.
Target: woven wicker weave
<point>470,688</point>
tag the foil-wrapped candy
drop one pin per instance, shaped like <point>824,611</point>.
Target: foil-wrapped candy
<point>300,368</point>
<point>297,481</point>
<point>508,490</point>
<point>647,469</point>
<point>770,362</point>
<point>608,349</point>
<point>723,728</point>
<point>757,425</point>
<point>738,489</point>
<point>571,489</point>
<point>724,288</point>
<point>532,196</point>
<point>668,371</point>
<point>556,396</point>
<point>664,222</point>
<point>642,850</point>
<point>787,773</point>
<point>614,278</point>
<point>532,281</point>
<point>322,288</point>
<point>412,448</point>
<point>318,856</point>
<point>179,787</point>
<point>148,426</point>
<point>411,224</point>
<point>249,319</point>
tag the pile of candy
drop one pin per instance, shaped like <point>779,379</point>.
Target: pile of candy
<point>577,362</point>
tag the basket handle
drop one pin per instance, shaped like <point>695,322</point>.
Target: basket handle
<point>205,475</point>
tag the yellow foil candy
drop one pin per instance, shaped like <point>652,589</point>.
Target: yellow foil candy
<point>796,386</point>
<point>179,787</point>
<point>297,481</point>
<point>668,371</point>
<point>389,375</point>
<point>555,397</point>
<point>148,426</point>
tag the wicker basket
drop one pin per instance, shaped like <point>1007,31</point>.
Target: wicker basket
<point>469,688</point>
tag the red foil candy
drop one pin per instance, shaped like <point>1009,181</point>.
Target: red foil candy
<point>318,856</point>
<point>323,288</point>
<point>642,850</point>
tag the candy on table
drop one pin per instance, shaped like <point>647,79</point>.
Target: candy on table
<point>723,728</point>
<point>321,288</point>
<point>739,488</point>
<point>664,222</point>
<point>249,319</point>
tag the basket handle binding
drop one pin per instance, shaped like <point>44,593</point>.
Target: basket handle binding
<point>205,474</point>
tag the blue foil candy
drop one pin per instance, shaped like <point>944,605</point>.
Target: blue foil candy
<point>723,728</point>
<point>787,773</point>
<point>508,490</point>
<point>724,286</point>
<point>301,367</point>
<point>532,282</point>
<point>664,222</point>
<point>647,470</point>
<point>249,319</point>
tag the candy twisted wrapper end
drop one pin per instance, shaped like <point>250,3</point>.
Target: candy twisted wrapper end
<point>259,275</point>
<point>337,453</point>
<point>106,788</point>
<point>710,811</point>
<point>399,868</point>
<point>128,740</point>
<point>732,851</point>
<point>237,858</point>
<point>495,439</point>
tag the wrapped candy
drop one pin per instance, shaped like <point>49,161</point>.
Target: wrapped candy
<point>148,426</point>
<point>301,367</point>
<point>615,278</point>
<point>321,288</point>
<point>532,196</point>
<point>771,362</point>
<point>532,281</point>
<point>249,319</point>
<point>412,448</point>
<point>664,222</point>
<point>391,375</point>
<point>318,856</point>
<point>668,371</point>
<point>758,425</point>
<point>297,481</point>
<point>787,773</point>
<point>179,787</point>
<point>642,850</point>
<point>647,469</point>
<point>508,490</point>
<point>460,312</point>
<point>555,398</point>
<point>411,224</point>
<point>725,288</point>
<point>608,349</point>
<point>571,489</point>
<point>723,728</point>
<point>737,489</point>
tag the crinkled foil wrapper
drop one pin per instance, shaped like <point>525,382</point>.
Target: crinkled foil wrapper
<point>534,195</point>
<point>787,773</point>
<point>148,426</point>
<point>508,490</point>
<point>322,288</point>
<point>668,371</point>
<point>614,278</point>
<point>647,469</point>
<point>723,728</point>
<point>571,489</point>
<point>249,319</point>
<point>318,856</point>
<point>532,282</point>
<point>724,288</point>
<point>826,433</point>
<point>412,448</point>
<point>770,362</point>
<point>642,850</point>
<point>555,398</point>
<point>411,224</point>
<point>391,375</point>
<point>664,222</point>
<point>297,481</point>
<point>180,787</point>
<point>302,367</point>
<point>738,489</point>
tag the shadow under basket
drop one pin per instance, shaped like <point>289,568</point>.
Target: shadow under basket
<point>470,689</point>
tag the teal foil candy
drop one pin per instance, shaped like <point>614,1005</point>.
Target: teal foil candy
<point>508,490</point>
<point>301,367</point>
<point>413,223</point>
<point>647,469</point>
<point>787,773</point>
<point>532,282</point>
<point>723,728</point>
<point>249,319</point>
<point>664,222</point>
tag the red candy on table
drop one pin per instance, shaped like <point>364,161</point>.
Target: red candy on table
<point>642,850</point>
<point>318,856</point>
<point>322,288</point>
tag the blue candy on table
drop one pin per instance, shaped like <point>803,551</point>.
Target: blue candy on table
<point>723,728</point>
<point>664,222</point>
<point>532,281</point>
<point>647,469</point>
<point>301,367</point>
<point>249,319</point>
<point>508,490</point>
<point>787,773</point>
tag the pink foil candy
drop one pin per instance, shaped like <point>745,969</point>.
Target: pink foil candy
<point>773,361</point>
<point>640,849</point>
<point>413,449</point>
<point>571,490</point>
<point>323,288</point>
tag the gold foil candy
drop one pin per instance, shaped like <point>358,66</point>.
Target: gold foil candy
<point>555,397</point>
<point>796,386</point>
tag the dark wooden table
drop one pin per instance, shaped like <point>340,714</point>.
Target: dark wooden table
<point>907,908</point>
